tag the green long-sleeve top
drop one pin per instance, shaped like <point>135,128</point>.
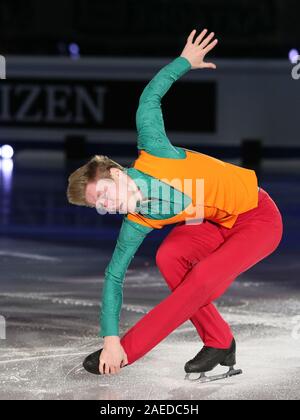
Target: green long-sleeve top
<point>153,139</point>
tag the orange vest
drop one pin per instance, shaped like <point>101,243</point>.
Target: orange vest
<point>229,190</point>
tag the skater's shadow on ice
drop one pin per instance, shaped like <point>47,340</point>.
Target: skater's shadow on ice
<point>194,391</point>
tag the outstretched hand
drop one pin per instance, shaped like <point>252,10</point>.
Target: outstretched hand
<point>196,50</point>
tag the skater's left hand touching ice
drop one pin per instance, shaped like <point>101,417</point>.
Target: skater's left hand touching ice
<point>112,357</point>
<point>196,50</point>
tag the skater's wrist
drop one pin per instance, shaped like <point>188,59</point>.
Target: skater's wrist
<point>111,339</point>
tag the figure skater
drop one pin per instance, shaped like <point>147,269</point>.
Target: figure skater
<point>230,228</point>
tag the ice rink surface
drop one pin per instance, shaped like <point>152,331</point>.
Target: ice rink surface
<point>52,317</point>
<point>50,293</point>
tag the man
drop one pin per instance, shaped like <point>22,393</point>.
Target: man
<point>231,227</point>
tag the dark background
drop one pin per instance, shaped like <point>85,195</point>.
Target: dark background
<point>120,98</point>
<point>33,200</point>
<point>266,28</point>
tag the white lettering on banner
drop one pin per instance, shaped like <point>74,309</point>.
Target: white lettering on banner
<point>52,104</point>
<point>57,100</point>
<point>83,100</point>
<point>32,92</point>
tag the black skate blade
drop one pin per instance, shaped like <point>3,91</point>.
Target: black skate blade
<point>205,379</point>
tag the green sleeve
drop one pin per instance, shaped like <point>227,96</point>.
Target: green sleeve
<point>149,119</point>
<point>130,238</point>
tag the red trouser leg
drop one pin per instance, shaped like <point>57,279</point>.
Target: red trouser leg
<point>185,246</point>
<point>255,235</point>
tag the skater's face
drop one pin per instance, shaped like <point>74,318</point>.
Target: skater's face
<point>117,194</point>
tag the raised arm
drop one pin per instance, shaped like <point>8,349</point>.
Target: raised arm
<point>149,119</point>
<point>152,136</point>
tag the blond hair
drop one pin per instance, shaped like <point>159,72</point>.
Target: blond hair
<point>98,167</point>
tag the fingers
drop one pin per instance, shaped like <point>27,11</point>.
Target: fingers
<point>124,362</point>
<point>200,41</point>
<point>113,370</point>
<point>200,37</point>
<point>207,40</point>
<point>101,367</point>
<point>106,369</point>
<point>209,65</point>
<point>191,36</point>
<point>210,46</point>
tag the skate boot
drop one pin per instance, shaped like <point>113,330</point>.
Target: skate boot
<point>207,359</point>
<point>91,363</point>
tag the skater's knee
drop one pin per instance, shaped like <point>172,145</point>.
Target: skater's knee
<point>161,256</point>
<point>165,255</point>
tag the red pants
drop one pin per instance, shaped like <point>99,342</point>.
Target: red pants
<point>199,263</point>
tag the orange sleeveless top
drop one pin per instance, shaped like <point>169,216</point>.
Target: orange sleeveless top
<point>225,190</point>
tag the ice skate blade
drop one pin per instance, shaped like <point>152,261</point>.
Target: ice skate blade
<point>205,379</point>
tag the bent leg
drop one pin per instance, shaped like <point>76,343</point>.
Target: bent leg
<point>205,282</point>
<point>185,246</point>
